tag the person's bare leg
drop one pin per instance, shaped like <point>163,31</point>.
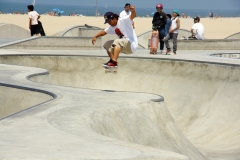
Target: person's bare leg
<point>116,53</point>
<point>109,54</point>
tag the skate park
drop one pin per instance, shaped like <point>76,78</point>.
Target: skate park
<point>155,107</point>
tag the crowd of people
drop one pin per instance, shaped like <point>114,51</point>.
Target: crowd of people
<point>123,25</point>
<point>18,13</point>
<point>168,26</point>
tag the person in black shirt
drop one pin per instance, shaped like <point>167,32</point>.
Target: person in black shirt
<point>159,21</point>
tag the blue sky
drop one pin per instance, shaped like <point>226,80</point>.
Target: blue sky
<point>178,4</point>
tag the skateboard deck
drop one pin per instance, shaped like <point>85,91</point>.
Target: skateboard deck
<point>188,38</point>
<point>110,70</point>
<point>154,42</point>
<point>41,30</point>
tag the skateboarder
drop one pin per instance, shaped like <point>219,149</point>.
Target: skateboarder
<point>168,25</point>
<point>159,21</point>
<point>33,20</point>
<point>126,43</point>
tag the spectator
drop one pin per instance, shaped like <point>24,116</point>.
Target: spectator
<point>173,33</point>
<point>168,25</point>
<point>33,20</point>
<point>126,12</point>
<point>211,15</point>
<point>198,28</point>
<point>183,15</point>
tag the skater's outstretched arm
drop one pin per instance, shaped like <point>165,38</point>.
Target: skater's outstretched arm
<point>133,14</point>
<point>101,33</point>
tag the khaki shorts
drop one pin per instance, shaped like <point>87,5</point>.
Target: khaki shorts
<point>123,43</point>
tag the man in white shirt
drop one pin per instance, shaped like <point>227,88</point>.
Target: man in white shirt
<point>126,12</point>
<point>33,20</point>
<point>127,42</point>
<point>197,29</point>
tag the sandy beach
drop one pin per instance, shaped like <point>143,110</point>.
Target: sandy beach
<point>214,29</point>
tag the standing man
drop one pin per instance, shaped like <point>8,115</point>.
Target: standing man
<point>33,20</point>
<point>173,33</point>
<point>159,21</point>
<point>126,12</point>
<point>168,25</point>
<point>198,29</point>
<point>127,42</point>
<point>211,15</point>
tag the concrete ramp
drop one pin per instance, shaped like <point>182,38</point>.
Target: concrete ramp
<point>48,134</point>
<point>74,31</point>
<point>234,36</point>
<point>14,100</point>
<point>202,99</point>
<point>13,31</point>
<point>85,43</point>
<point>146,123</point>
<point>85,31</point>
<point>56,43</point>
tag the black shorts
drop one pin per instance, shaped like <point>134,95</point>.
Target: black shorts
<point>34,29</point>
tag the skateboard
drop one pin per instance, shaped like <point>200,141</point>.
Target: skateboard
<point>188,38</point>
<point>110,70</point>
<point>41,30</point>
<point>154,42</point>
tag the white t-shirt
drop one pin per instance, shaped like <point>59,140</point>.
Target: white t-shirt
<point>198,27</point>
<point>125,26</point>
<point>34,16</point>
<point>124,13</point>
<point>174,24</point>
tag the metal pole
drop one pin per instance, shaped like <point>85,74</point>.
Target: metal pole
<point>96,8</point>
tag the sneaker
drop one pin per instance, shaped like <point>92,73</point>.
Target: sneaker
<point>112,64</point>
<point>168,51</point>
<point>106,64</point>
<point>173,53</point>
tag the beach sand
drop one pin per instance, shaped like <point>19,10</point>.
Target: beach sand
<point>214,29</point>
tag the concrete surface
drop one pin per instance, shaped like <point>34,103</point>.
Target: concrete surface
<point>8,40</point>
<point>41,133</point>
<point>197,119</point>
<point>10,97</point>
<point>13,31</point>
<point>84,43</point>
<point>85,31</point>
<point>213,44</point>
<point>234,36</point>
<point>73,31</point>
<point>56,43</point>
